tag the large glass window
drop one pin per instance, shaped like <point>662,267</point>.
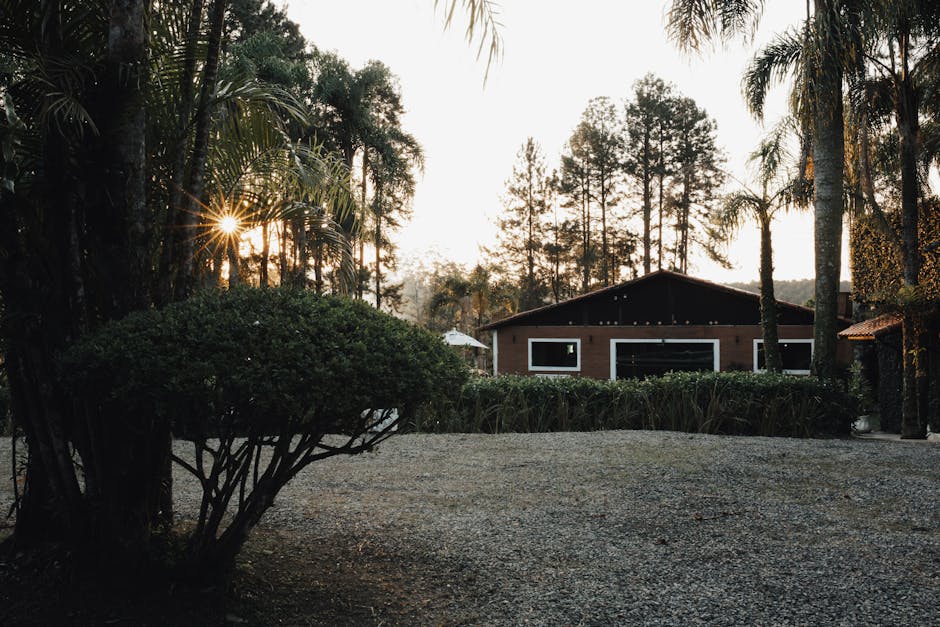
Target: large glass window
<point>645,358</point>
<point>797,355</point>
<point>555,354</point>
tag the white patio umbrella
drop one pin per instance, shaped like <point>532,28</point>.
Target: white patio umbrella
<point>456,338</point>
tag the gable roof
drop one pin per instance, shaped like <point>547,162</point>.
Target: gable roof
<point>661,297</point>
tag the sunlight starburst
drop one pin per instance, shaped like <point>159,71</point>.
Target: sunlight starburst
<point>228,224</point>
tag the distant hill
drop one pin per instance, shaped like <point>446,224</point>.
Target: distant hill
<point>798,291</point>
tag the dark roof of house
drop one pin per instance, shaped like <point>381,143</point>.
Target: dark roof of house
<point>870,329</point>
<point>659,298</point>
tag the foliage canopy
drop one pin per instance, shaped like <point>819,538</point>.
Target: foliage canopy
<point>262,382</point>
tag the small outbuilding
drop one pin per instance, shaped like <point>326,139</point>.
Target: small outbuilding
<point>878,350</point>
<point>663,321</point>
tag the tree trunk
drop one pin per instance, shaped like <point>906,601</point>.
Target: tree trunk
<point>170,254</point>
<point>125,142</point>
<point>914,392</point>
<point>197,169</point>
<point>215,280</point>
<point>530,245</point>
<point>585,234</point>
<point>143,492</point>
<point>682,242</point>
<point>661,174</point>
<point>265,253</point>
<point>282,254</point>
<point>828,158</point>
<point>768,302</point>
<point>647,206</point>
<point>378,261</point>
<point>303,252</point>
<point>122,469</point>
<point>318,267</point>
<point>234,272</point>
<point>360,288</point>
<point>605,253</point>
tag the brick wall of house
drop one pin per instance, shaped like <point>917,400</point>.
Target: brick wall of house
<point>736,347</point>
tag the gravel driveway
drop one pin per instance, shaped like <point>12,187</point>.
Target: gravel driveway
<point>606,528</point>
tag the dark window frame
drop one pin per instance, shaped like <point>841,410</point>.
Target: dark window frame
<point>715,343</point>
<point>555,340</point>
<point>812,347</point>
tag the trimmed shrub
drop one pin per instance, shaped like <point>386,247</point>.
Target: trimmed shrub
<point>734,403</point>
<point>263,382</point>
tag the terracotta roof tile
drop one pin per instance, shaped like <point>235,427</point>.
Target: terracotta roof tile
<point>869,329</point>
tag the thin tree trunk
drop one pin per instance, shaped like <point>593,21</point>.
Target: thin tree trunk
<point>265,253</point>
<point>303,252</point>
<point>661,175</point>
<point>589,248</point>
<point>197,169</point>
<point>605,269</point>
<point>170,254</point>
<point>234,272</point>
<point>318,267</point>
<point>530,244</point>
<point>773,361</point>
<point>282,254</point>
<point>360,288</point>
<point>683,222</point>
<point>216,265</point>
<point>647,205</point>
<point>585,234</point>
<point>378,261</point>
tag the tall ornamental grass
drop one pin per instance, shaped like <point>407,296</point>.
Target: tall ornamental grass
<point>732,403</point>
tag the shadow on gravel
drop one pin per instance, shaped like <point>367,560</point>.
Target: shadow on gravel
<point>281,579</point>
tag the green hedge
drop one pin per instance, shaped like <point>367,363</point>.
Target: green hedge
<point>735,403</point>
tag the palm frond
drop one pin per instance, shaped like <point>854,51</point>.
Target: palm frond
<point>693,23</point>
<point>781,58</point>
<point>328,233</point>
<point>482,25</point>
<point>735,210</point>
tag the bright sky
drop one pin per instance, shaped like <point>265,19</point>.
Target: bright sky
<point>558,55</point>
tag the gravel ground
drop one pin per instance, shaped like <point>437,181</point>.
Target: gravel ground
<point>605,528</point>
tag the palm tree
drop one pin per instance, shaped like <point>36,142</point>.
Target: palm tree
<point>694,22</point>
<point>258,176</point>
<point>902,51</point>
<point>73,234</point>
<point>90,164</point>
<point>777,191</point>
<point>392,172</point>
<point>360,112</point>
<point>472,300</point>
<point>93,145</point>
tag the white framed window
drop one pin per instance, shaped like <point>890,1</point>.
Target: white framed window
<point>636,358</point>
<point>562,354</point>
<point>797,355</point>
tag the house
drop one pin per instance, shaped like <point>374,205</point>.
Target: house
<point>648,326</point>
